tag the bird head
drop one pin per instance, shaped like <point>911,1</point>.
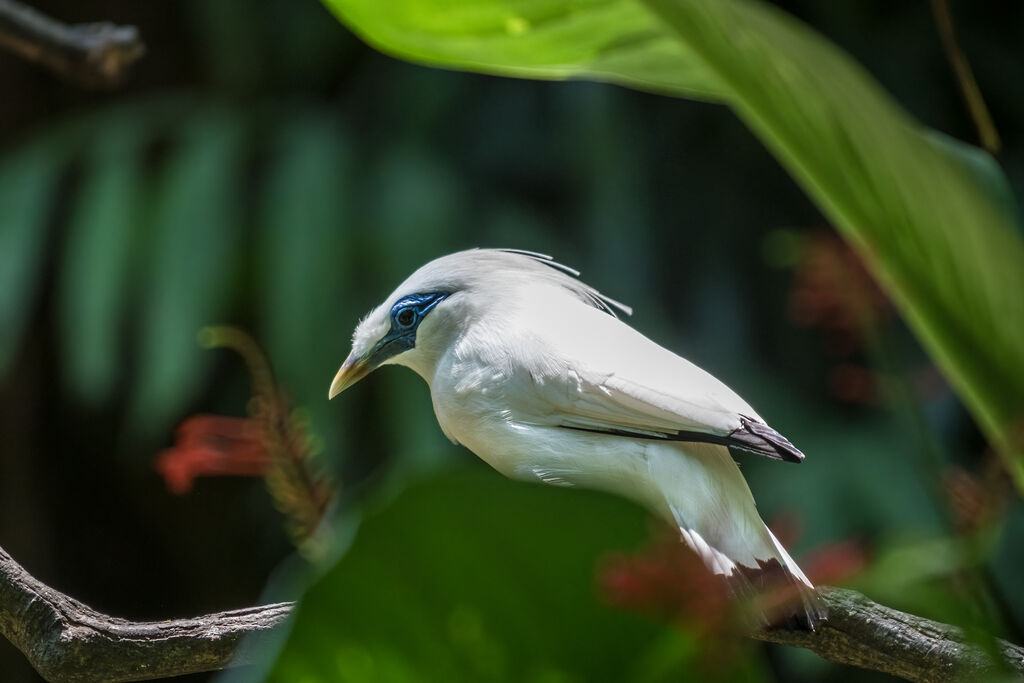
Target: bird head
<point>426,313</point>
<point>414,324</point>
<point>389,334</point>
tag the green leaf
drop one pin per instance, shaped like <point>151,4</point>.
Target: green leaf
<point>28,180</point>
<point>619,41</point>
<point>935,237</point>
<point>192,259</point>
<point>94,285</point>
<point>934,221</point>
<point>470,576</point>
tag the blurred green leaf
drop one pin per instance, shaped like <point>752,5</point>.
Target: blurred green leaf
<point>617,226</point>
<point>28,180</point>
<point>944,244</point>
<point>620,41</point>
<point>191,262</point>
<point>97,257</point>
<point>470,576</point>
<point>934,577</point>
<point>306,263</point>
<point>417,204</point>
<point>985,171</point>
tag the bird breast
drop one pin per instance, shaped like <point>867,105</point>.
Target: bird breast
<point>468,390</point>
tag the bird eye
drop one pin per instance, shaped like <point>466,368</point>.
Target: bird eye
<point>406,316</point>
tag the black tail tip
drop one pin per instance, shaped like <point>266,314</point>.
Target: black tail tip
<point>777,598</point>
<point>804,613</point>
<point>809,616</point>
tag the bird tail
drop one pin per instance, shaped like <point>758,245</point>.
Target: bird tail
<point>714,510</point>
<point>769,583</point>
<point>783,594</point>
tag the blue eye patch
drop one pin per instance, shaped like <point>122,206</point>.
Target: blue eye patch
<point>406,315</point>
<point>408,311</point>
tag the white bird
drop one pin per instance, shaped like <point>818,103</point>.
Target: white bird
<point>533,371</point>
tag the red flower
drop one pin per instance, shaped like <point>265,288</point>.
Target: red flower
<point>835,563</point>
<point>668,580</point>
<point>212,445</point>
<point>273,443</point>
<point>833,290</point>
<point>978,500</point>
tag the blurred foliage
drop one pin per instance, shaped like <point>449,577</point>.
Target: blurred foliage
<point>155,244</point>
<point>269,171</point>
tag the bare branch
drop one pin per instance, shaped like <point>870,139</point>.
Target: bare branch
<point>93,55</point>
<point>65,640</point>
<point>872,636</point>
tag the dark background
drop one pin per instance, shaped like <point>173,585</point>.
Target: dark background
<point>671,206</point>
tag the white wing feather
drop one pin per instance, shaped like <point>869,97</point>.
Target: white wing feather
<point>589,370</point>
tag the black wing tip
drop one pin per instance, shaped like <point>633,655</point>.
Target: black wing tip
<point>757,437</point>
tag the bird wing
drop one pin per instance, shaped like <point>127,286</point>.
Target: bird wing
<point>593,372</point>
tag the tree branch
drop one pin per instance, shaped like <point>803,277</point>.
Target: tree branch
<point>865,634</point>
<point>93,55</point>
<point>67,641</point>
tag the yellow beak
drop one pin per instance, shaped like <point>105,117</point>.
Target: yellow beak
<point>351,371</point>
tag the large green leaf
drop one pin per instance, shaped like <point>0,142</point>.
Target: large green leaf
<point>933,219</point>
<point>619,41</point>
<point>472,577</point>
<point>942,242</point>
